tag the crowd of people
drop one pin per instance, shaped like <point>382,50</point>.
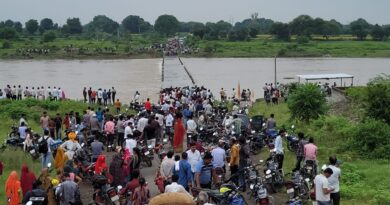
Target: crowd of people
<point>41,93</point>
<point>188,166</point>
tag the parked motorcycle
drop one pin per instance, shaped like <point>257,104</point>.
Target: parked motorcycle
<point>104,194</point>
<point>147,154</point>
<point>256,142</point>
<point>260,193</point>
<point>309,169</point>
<point>273,175</point>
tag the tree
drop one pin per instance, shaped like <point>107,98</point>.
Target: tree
<point>197,29</point>
<point>302,25</point>
<point>307,102</point>
<point>378,33</point>
<point>103,24</point>
<point>9,23</point>
<point>239,33</point>
<point>18,27</point>
<point>32,26</point>
<point>49,36</point>
<point>166,25</point>
<point>7,33</point>
<point>135,24</point>
<point>281,31</point>
<point>45,25</point>
<point>359,28</point>
<point>378,98</point>
<point>72,26</point>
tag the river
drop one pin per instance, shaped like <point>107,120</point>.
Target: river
<point>144,75</point>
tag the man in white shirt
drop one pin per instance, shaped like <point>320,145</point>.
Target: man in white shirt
<point>166,168</point>
<point>128,130</point>
<point>334,181</point>
<point>130,143</point>
<point>194,157</point>
<point>174,187</point>
<point>99,96</point>
<point>160,120</point>
<point>191,125</point>
<point>168,123</point>
<point>322,188</point>
<point>142,122</point>
<point>279,148</point>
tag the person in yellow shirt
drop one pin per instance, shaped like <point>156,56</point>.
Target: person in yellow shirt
<point>118,105</point>
<point>234,156</point>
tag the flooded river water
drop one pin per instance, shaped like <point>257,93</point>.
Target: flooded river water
<point>144,75</point>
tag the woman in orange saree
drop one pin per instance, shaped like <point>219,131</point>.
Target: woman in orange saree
<point>13,189</point>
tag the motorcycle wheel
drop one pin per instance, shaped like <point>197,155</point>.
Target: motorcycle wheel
<point>148,161</point>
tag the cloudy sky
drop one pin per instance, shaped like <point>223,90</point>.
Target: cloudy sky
<point>345,11</point>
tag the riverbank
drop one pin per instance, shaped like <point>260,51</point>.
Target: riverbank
<point>139,47</point>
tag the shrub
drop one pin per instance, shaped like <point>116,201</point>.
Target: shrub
<point>6,45</point>
<point>303,39</point>
<point>307,102</point>
<point>371,139</point>
<point>49,36</point>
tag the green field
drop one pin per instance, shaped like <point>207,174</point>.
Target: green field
<point>133,46</point>
<point>265,46</point>
<point>105,48</point>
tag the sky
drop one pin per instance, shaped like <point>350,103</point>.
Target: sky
<point>345,11</point>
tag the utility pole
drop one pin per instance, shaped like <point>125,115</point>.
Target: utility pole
<point>275,80</point>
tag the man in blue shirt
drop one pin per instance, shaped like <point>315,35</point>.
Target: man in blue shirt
<point>184,172</point>
<point>203,172</point>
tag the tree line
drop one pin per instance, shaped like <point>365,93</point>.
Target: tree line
<point>168,25</point>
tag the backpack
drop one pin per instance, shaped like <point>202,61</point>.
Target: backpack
<point>43,146</point>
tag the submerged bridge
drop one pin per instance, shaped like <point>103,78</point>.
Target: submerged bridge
<point>174,73</point>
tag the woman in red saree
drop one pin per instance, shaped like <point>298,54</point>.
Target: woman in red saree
<point>27,178</point>
<point>12,189</point>
<point>100,165</point>
<point>178,137</point>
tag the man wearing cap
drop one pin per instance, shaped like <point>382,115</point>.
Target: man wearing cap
<point>203,172</point>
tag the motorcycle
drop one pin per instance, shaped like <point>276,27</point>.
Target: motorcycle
<point>273,175</point>
<point>83,157</point>
<point>147,154</point>
<point>260,193</point>
<point>292,141</point>
<point>297,188</point>
<point>104,194</point>
<point>309,169</point>
<point>256,143</point>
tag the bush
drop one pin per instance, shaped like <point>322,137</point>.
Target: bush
<point>49,36</point>
<point>6,45</point>
<point>307,102</point>
<point>378,98</point>
<point>303,39</point>
<point>371,139</point>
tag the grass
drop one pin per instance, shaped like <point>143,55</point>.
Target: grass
<point>363,181</point>
<point>261,46</point>
<point>265,46</point>
<point>10,112</point>
<point>125,47</point>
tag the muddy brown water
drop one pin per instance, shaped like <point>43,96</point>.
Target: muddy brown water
<point>144,75</point>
